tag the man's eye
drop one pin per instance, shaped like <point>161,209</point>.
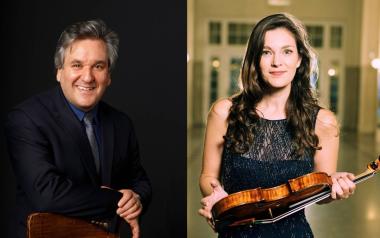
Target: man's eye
<point>99,66</point>
<point>76,65</point>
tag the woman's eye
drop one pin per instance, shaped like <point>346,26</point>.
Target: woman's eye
<point>288,52</point>
<point>266,52</point>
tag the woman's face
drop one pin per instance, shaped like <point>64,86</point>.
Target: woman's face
<point>280,59</point>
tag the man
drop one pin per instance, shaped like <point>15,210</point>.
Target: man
<point>72,153</point>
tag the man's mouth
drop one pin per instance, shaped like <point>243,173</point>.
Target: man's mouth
<point>87,89</point>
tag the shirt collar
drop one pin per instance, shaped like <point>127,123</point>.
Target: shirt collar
<point>80,114</point>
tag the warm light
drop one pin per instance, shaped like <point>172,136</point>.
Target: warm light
<point>331,72</point>
<point>215,63</point>
<point>188,57</point>
<point>279,3</point>
<point>375,63</point>
<point>371,215</point>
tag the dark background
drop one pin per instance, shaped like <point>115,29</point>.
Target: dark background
<point>148,83</point>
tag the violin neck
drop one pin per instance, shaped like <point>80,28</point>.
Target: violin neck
<point>364,176</point>
<point>314,199</point>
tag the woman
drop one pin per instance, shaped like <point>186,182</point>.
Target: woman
<point>273,130</point>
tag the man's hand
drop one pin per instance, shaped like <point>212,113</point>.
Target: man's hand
<point>130,206</point>
<point>135,227</point>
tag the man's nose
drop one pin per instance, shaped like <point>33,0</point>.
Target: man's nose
<point>87,75</point>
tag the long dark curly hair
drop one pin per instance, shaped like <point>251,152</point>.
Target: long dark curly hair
<point>301,105</point>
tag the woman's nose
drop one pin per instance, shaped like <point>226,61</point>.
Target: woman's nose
<point>276,60</point>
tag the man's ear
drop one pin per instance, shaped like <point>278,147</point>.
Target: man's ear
<point>58,76</point>
<point>109,79</point>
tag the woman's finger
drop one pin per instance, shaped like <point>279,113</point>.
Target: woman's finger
<point>343,185</point>
<point>211,224</point>
<point>204,213</point>
<point>350,185</point>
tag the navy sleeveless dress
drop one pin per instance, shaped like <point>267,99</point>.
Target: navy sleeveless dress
<point>270,161</point>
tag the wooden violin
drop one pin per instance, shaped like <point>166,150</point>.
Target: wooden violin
<point>268,205</point>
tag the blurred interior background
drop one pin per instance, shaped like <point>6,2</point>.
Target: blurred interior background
<point>346,36</point>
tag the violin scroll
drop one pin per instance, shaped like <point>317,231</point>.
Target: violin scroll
<point>374,165</point>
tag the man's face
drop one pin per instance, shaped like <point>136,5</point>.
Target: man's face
<point>85,76</point>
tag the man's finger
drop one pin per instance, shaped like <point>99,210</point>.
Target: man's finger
<point>134,214</point>
<point>129,211</point>
<point>135,228</point>
<point>127,195</point>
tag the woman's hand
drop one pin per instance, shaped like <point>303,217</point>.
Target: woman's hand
<point>343,185</point>
<point>208,202</point>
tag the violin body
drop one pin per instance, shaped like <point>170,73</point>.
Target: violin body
<point>268,205</point>
<point>263,203</point>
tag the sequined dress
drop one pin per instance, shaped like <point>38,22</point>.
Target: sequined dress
<point>269,162</point>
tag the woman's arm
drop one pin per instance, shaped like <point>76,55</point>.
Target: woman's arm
<point>327,130</point>
<point>213,145</point>
<point>212,158</point>
<point>326,159</point>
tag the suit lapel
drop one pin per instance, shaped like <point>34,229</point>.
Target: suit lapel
<point>72,125</point>
<point>107,145</point>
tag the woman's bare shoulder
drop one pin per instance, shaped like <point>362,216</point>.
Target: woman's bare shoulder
<point>327,122</point>
<point>221,108</point>
<point>327,117</point>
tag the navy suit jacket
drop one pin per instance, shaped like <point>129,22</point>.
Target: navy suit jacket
<point>54,165</point>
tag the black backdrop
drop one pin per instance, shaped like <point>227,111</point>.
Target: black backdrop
<point>148,83</point>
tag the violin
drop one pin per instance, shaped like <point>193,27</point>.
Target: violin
<point>268,205</point>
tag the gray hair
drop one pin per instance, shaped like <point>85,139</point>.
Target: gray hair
<point>94,29</point>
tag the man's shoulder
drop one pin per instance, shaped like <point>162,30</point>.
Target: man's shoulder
<point>38,102</point>
<point>36,110</point>
<point>113,113</point>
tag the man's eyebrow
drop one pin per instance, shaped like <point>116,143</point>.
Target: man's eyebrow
<point>75,61</point>
<point>100,62</point>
